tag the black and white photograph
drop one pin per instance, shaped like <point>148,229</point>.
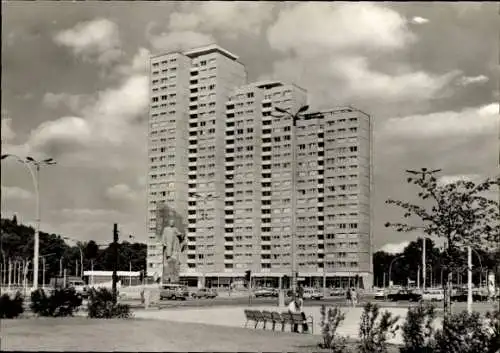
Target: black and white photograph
<point>259,176</point>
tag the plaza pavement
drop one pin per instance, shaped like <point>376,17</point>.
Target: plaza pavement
<point>233,316</point>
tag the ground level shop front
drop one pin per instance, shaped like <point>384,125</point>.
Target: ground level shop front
<point>225,280</point>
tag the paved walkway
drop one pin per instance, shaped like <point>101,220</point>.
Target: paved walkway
<point>234,317</point>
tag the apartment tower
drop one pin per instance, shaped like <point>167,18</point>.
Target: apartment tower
<point>221,155</point>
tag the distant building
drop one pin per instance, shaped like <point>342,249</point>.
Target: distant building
<point>105,277</point>
<point>219,157</point>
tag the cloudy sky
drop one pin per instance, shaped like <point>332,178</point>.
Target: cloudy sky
<point>74,88</point>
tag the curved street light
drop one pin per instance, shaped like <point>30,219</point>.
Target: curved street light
<point>29,162</point>
<point>300,114</point>
<point>390,267</point>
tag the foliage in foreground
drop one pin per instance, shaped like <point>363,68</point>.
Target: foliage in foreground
<point>11,307</point>
<point>330,321</point>
<point>418,332</point>
<point>464,333</point>
<point>61,302</point>
<point>374,329</point>
<point>102,305</point>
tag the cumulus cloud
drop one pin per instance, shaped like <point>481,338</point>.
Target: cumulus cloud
<point>105,127</point>
<point>139,64</point>
<point>7,131</point>
<point>449,179</point>
<point>74,102</point>
<point>332,54</point>
<point>228,18</point>
<point>419,20</point>
<point>97,40</point>
<point>120,192</point>
<point>468,80</point>
<point>61,134</point>
<point>181,41</point>
<point>467,122</point>
<point>15,193</point>
<point>338,27</point>
<point>395,248</point>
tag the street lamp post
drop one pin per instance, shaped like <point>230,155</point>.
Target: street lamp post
<point>390,267</point>
<point>81,256</point>
<point>300,114</point>
<point>28,162</point>
<point>423,173</point>
<point>43,266</point>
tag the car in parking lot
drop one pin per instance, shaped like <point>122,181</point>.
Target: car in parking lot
<point>311,293</point>
<point>204,293</point>
<point>405,295</point>
<point>173,292</point>
<point>433,295</point>
<point>380,294</point>
<point>265,292</point>
<point>337,292</point>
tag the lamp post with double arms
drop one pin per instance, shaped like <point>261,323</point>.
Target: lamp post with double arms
<point>30,162</point>
<point>299,115</point>
<point>424,240</point>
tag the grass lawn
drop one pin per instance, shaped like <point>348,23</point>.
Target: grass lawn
<point>78,333</point>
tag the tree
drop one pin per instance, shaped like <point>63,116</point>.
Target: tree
<point>458,212</point>
<point>18,242</point>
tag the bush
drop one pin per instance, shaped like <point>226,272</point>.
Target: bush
<point>330,321</point>
<point>462,333</point>
<point>493,321</point>
<point>418,332</point>
<point>373,333</point>
<point>102,305</point>
<point>61,302</point>
<point>11,308</point>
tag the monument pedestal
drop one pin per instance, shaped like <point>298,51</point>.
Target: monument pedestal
<point>281,299</point>
<point>171,271</point>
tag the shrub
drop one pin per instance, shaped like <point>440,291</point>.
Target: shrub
<point>330,321</point>
<point>493,322</point>
<point>102,305</point>
<point>462,333</point>
<point>61,302</point>
<point>373,332</point>
<point>418,332</point>
<point>11,308</point>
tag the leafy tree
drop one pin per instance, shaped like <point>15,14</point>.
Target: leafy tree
<point>458,212</point>
<point>18,242</point>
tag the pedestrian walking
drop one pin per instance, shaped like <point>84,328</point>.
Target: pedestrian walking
<point>354,297</point>
<point>348,296</point>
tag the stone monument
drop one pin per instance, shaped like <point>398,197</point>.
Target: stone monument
<point>171,234</point>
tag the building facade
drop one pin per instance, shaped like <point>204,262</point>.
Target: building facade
<point>224,160</point>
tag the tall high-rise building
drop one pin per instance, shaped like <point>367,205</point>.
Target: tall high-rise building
<point>221,155</point>
<point>189,91</point>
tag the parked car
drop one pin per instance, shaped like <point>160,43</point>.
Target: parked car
<point>433,295</point>
<point>265,292</point>
<point>405,295</point>
<point>380,294</point>
<point>204,293</point>
<point>310,293</point>
<point>173,292</point>
<point>337,292</point>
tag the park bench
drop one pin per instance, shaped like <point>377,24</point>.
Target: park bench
<point>297,319</point>
<point>255,316</point>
